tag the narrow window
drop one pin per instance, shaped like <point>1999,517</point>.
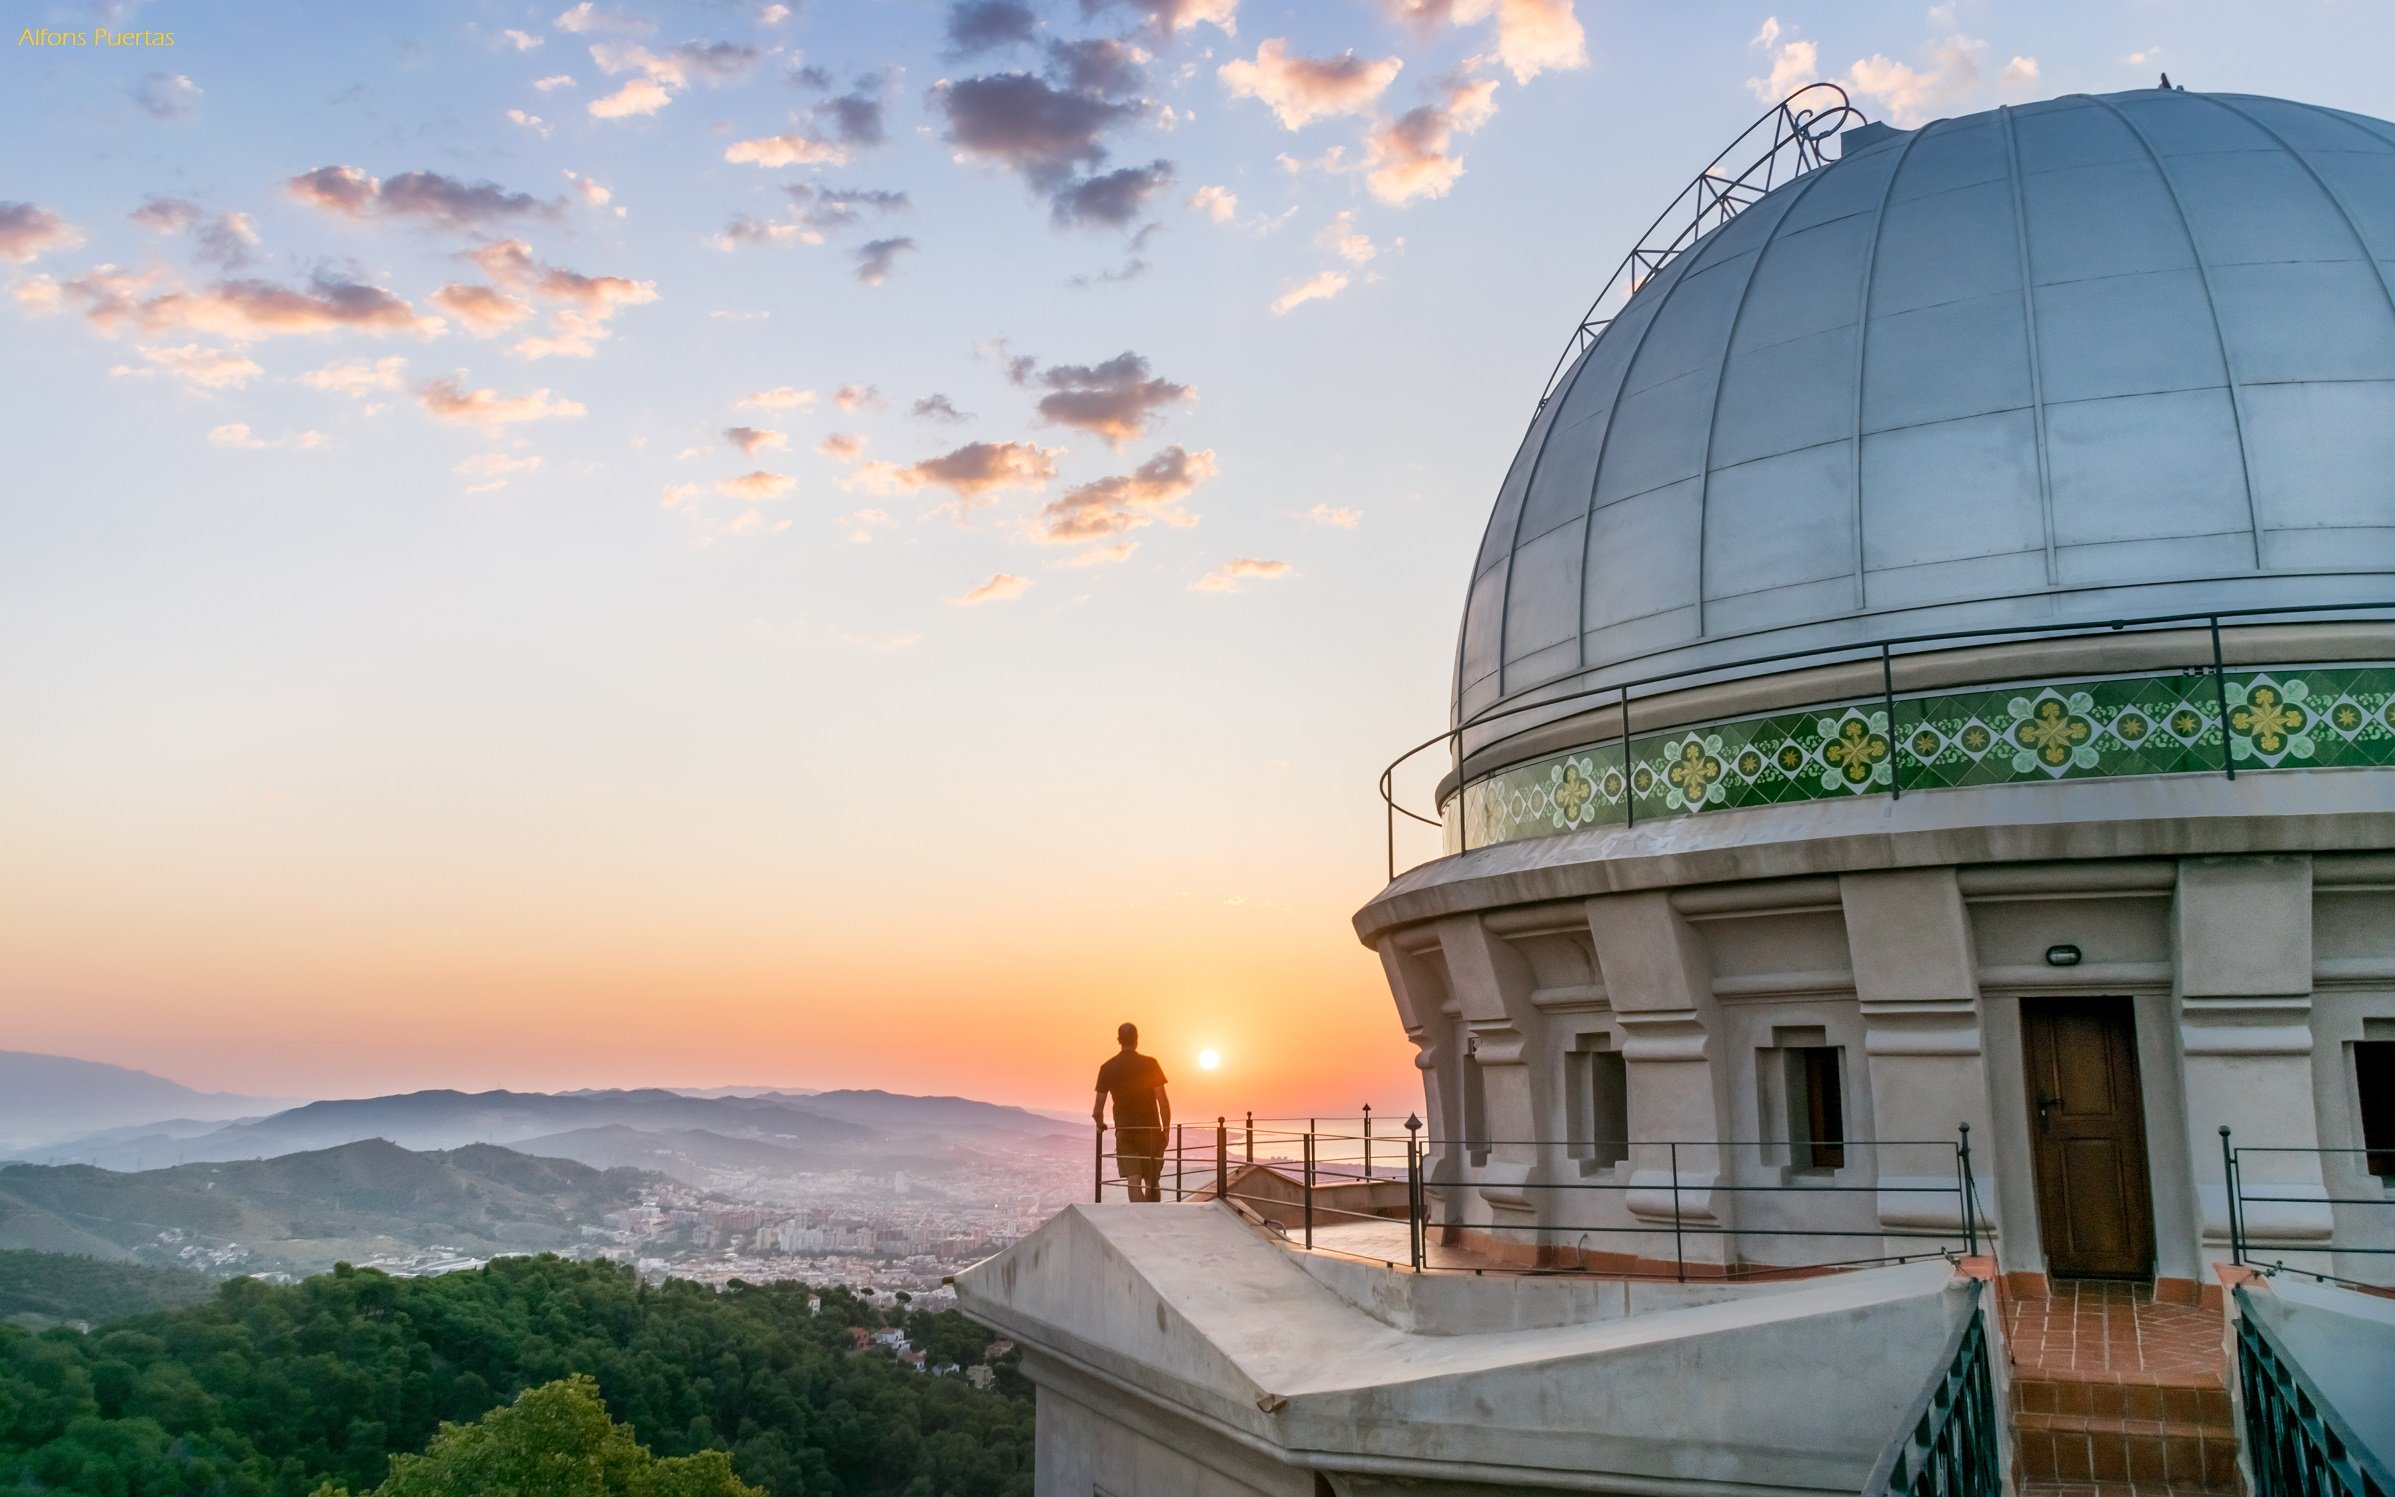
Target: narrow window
<point>2374,1078</point>
<point>1476,1108</point>
<point>1816,1108</point>
<point>1608,1108</point>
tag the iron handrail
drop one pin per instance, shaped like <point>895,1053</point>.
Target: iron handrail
<point>1618,693</point>
<point>2297,1442</point>
<point>1948,1444</point>
<point>2241,1247</point>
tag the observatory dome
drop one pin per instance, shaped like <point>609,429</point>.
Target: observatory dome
<point>2090,358</point>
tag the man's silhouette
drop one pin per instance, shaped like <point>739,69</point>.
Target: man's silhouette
<point>1142,1113</point>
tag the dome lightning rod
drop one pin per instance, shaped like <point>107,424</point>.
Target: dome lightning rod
<point>1796,129</point>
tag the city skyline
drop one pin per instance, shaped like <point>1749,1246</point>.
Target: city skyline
<point>835,545</point>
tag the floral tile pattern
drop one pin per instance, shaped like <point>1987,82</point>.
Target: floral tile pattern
<point>2296,717</point>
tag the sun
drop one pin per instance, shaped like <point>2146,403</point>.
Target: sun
<point>1208,1060</point>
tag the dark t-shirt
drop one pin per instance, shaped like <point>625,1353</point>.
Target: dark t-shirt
<point>1133,1082</point>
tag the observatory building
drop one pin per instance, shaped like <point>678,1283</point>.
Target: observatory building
<point>1920,786</point>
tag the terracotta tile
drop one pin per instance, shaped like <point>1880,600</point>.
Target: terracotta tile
<point>2141,1402</point>
<point>2146,1465</point>
<point>2072,1458</point>
<point>2182,1405</point>
<point>2109,1457</point>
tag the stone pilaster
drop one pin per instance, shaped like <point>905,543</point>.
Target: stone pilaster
<point>1660,983</point>
<point>2242,939</point>
<point>1420,989</point>
<point>1916,979</point>
<point>1493,984</point>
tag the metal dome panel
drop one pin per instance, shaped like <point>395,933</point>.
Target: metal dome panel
<point>2085,357</point>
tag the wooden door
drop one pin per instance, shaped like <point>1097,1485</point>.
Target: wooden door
<point>2088,1138</point>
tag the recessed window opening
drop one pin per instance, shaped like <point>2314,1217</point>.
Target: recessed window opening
<point>1816,1107</point>
<point>1599,1082</point>
<point>2374,1079</point>
<point>1476,1107</point>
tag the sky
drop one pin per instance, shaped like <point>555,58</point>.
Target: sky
<point>839,543</point>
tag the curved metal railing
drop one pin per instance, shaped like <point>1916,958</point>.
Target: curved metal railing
<point>1620,695</point>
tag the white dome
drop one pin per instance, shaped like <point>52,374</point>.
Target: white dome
<point>2079,360</point>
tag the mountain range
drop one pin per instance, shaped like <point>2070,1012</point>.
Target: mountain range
<point>304,1211</point>
<point>47,1098</point>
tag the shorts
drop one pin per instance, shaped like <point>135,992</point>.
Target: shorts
<point>1140,1153</point>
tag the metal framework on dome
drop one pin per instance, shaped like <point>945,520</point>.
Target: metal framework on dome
<point>1796,127</point>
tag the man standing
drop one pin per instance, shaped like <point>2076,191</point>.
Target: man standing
<point>1142,1113</point>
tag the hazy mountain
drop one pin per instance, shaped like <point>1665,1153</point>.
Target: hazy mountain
<point>44,1098</point>
<point>830,1130</point>
<point>684,1153</point>
<point>304,1211</point>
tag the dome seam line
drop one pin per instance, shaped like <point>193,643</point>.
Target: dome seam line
<point>2035,352</point>
<point>2228,362</point>
<point>1862,356</point>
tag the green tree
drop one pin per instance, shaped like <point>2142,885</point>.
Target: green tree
<point>555,1440</point>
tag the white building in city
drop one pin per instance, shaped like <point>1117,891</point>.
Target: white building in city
<point>1931,666</point>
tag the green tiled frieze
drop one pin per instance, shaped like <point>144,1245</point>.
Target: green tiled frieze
<point>2299,717</point>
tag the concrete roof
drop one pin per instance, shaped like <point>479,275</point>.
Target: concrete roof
<point>2077,360</point>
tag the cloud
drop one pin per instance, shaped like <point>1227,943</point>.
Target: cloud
<point>1112,505</point>
<point>449,400</point>
<point>1951,72</point>
<point>237,434</point>
<point>1098,65</point>
<point>167,215</point>
<point>532,122</point>
<point>973,473</point>
<point>1116,399</point>
<point>1533,36</point>
<point>1017,119</point>
<point>491,470</point>
<point>193,364</point>
<point>349,192</point>
<point>1227,577</point>
<point>1217,203</point>
<point>27,231</point>
<point>588,18</point>
<point>2020,72</point>
<point>779,398</point>
<point>1112,198</point>
<point>592,192</point>
<point>1321,287</point>
<point>678,494</point>
<point>1003,587</point>
<point>773,15</point>
<point>856,397</point>
<point>357,378</point>
<point>716,62</point>
<point>507,261</point>
<point>1337,516</point>
<point>1794,63</point>
<point>1172,17</point>
<point>244,311</point>
<point>855,118</point>
<point>753,440</point>
<point>937,407</point>
<point>1300,90</point>
<point>842,447</point>
<point>37,296</point>
<point>168,96</point>
<point>830,208</point>
<point>224,241</point>
<point>757,485</point>
<point>788,149</point>
<point>1099,556</point>
<point>638,97</point>
<point>977,26</point>
<point>876,258</point>
<point>1342,238</point>
<point>1409,157</point>
<point>483,310</point>
<point>553,81</point>
<point>523,41</point>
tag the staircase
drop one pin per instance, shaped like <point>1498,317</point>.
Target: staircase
<point>2118,1394</point>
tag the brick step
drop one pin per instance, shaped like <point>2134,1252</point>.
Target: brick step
<point>2200,1403</point>
<point>2145,1453</point>
<point>2107,1489</point>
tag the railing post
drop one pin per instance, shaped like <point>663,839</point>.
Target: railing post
<point>1251,1135</point>
<point>2228,1187</point>
<point>1413,1187</point>
<point>1679,1256</point>
<point>1222,1158</point>
<point>1367,1141</point>
<point>1309,1183</point>
<point>1962,1163</point>
<point>1629,788</point>
<point>2220,694</point>
<point>1180,1148</point>
<point>1887,696</point>
<point>1098,1170</point>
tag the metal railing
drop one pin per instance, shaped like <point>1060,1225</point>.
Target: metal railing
<point>1622,694</point>
<point>1952,1439</point>
<point>1306,1176</point>
<point>2298,1443</point>
<point>2272,1257</point>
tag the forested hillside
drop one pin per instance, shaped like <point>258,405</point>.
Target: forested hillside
<point>275,1390</point>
